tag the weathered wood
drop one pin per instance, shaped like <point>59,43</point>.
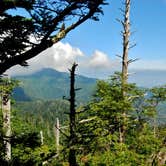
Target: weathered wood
<point>41,137</point>
<point>57,134</point>
<point>125,62</point>
<point>6,111</point>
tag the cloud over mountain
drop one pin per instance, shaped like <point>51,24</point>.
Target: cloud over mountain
<point>99,65</point>
<point>61,56</point>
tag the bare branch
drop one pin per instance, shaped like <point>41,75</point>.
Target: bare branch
<point>132,46</point>
<point>132,60</point>
<point>119,56</point>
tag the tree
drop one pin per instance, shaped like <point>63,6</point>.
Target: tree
<point>147,105</point>
<point>6,87</point>
<point>105,114</point>
<point>109,104</point>
<point>157,95</point>
<point>126,33</point>
<point>72,115</point>
<point>11,4</point>
<point>42,24</point>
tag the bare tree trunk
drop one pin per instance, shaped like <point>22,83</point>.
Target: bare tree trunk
<point>125,62</point>
<point>56,129</point>
<point>57,134</point>
<point>126,42</point>
<point>41,137</point>
<point>72,138</point>
<point>6,107</point>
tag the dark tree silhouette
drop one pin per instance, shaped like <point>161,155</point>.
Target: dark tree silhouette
<point>43,24</point>
<point>72,114</point>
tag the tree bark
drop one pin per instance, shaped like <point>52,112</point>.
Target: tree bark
<point>6,108</point>
<point>125,62</point>
<point>57,135</point>
<point>41,137</point>
<point>126,42</point>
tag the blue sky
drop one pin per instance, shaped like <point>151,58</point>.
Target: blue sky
<point>94,44</point>
<point>148,18</point>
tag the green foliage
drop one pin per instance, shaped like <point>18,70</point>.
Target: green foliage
<point>120,156</point>
<point>40,111</point>
<point>7,85</point>
<point>104,117</point>
<point>97,129</point>
<point>15,40</point>
<point>25,138</point>
<point>109,105</point>
<point>26,143</point>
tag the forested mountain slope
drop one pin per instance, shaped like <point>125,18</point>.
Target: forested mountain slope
<point>49,84</point>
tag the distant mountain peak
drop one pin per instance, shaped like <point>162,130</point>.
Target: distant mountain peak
<point>46,72</point>
<point>51,84</point>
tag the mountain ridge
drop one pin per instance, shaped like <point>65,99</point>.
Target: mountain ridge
<point>48,84</point>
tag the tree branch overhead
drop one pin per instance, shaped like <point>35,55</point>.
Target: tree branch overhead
<point>46,21</point>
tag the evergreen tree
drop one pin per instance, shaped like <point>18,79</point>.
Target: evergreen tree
<point>101,130</point>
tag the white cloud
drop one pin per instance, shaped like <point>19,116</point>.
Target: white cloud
<point>62,55</point>
<point>99,60</point>
<point>98,65</point>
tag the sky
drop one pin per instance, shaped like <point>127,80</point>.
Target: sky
<point>94,45</point>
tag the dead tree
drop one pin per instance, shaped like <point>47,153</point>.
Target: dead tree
<point>126,42</point>
<point>125,62</point>
<point>41,137</point>
<point>6,112</point>
<point>57,134</point>
<point>72,115</point>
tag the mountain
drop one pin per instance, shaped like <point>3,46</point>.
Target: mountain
<point>20,95</point>
<point>49,84</point>
<point>148,78</point>
<point>39,91</point>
